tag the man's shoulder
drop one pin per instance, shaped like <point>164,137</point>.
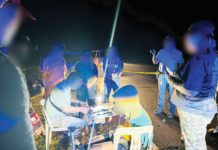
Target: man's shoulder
<point>6,64</point>
<point>3,58</point>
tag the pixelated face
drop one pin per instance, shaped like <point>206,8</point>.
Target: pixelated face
<point>121,107</point>
<point>12,28</point>
<point>112,52</point>
<point>58,51</point>
<point>87,58</point>
<point>195,43</point>
<point>76,84</point>
<point>169,44</point>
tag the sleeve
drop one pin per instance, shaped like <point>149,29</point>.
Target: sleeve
<point>14,95</point>
<point>159,54</point>
<point>193,75</point>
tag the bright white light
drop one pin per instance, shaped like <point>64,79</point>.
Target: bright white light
<point>99,98</point>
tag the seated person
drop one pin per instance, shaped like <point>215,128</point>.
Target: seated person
<point>126,102</point>
<point>58,104</point>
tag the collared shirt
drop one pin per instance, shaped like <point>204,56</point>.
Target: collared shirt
<point>169,58</point>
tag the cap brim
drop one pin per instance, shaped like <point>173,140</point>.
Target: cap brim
<point>27,14</point>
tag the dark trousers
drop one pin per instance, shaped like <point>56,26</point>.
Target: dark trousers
<point>110,85</point>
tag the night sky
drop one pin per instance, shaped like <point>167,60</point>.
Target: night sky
<point>86,24</point>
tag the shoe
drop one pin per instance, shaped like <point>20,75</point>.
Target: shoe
<point>170,115</point>
<point>158,112</point>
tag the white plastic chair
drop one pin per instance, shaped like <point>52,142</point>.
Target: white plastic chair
<point>49,128</point>
<point>135,133</point>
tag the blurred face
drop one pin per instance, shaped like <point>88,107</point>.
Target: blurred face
<point>195,43</point>
<point>12,28</point>
<point>76,84</point>
<point>112,52</point>
<point>57,51</point>
<point>21,53</point>
<point>169,44</point>
<point>87,59</point>
<point>120,107</point>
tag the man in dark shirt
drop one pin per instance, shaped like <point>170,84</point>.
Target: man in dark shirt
<point>16,130</point>
<point>88,71</point>
<point>194,93</point>
<point>113,68</point>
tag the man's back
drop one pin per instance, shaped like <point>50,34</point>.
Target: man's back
<point>17,132</point>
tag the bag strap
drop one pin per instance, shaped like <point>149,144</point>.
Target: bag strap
<point>58,109</point>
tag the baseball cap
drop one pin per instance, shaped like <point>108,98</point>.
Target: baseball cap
<point>17,3</point>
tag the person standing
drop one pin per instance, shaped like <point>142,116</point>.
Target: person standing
<point>16,131</point>
<point>195,88</point>
<point>53,68</point>
<point>113,68</point>
<point>169,58</point>
<point>88,71</point>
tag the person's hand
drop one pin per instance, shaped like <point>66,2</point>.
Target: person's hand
<point>147,140</point>
<point>153,51</point>
<point>83,104</point>
<point>85,110</point>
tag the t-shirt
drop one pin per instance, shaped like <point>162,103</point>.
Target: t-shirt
<point>197,75</point>
<point>55,69</point>
<point>60,96</point>
<point>169,58</point>
<point>16,130</point>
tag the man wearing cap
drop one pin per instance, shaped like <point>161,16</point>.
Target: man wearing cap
<point>194,93</point>
<point>169,59</point>
<point>16,130</point>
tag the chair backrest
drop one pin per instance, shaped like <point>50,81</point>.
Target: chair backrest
<point>45,114</point>
<point>135,133</point>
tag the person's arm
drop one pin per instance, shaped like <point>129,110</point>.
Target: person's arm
<point>92,81</point>
<point>178,85</point>
<point>71,109</point>
<point>193,78</point>
<point>154,56</point>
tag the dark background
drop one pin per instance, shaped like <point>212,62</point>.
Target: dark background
<point>86,24</point>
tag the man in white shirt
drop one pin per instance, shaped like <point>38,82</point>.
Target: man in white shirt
<point>58,104</point>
